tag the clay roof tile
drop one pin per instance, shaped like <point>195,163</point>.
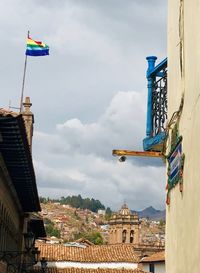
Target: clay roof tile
<point>156,257</point>
<point>94,253</point>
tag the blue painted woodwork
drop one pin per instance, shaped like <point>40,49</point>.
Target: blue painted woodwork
<point>151,64</point>
<point>154,143</point>
<point>156,104</point>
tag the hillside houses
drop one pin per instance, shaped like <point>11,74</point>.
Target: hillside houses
<point>71,221</point>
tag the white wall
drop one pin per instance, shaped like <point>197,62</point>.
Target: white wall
<point>183,213</point>
<point>91,265</point>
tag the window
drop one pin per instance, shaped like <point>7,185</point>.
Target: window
<point>131,236</point>
<point>152,268</point>
<point>124,236</point>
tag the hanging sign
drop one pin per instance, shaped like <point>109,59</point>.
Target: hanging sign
<point>174,162</point>
<point>175,166</point>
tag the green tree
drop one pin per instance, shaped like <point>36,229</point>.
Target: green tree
<point>93,236</point>
<point>51,230</point>
<point>43,200</point>
<point>108,214</point>
<point>161,222</point>
<point>47,221</point>
<point>77,202</point>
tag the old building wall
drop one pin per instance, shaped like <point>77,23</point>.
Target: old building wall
<point>183,221</point>
<point>11,220</point>
<point>118,238</point>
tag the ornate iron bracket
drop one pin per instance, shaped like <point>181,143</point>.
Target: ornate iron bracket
<point>156,105</point>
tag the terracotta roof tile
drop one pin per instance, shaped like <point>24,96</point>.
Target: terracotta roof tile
<point>84,270</point>
<point>5,112</point>
<point>156,257</point>
<point>102,253</point>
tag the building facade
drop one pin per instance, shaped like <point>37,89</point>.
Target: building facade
<point>124,227</point>
<point>19,199</point>
<point>154,263</point>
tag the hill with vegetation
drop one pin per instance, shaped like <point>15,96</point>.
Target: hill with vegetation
<point>70,223</point>
<point>76,201</point>
<point>72,218</point>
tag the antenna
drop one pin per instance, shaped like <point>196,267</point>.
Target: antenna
<point>12,107</point>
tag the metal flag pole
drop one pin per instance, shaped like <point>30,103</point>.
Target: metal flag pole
<point>23,82</point>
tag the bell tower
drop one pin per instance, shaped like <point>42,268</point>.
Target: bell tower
<point>124,227</point>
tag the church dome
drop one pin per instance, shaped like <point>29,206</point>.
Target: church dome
<point>125,210</point>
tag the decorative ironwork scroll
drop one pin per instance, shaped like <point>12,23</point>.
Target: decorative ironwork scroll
<point>159,103</point>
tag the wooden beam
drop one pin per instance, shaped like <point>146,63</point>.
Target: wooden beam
<point>137,153</point>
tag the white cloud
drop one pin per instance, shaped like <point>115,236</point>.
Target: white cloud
<point>96,48</point>
<point>118,126</point>
<point>77,158</point>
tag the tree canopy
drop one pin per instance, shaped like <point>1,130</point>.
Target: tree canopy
<point>93,236</point>
<point>77,201</point>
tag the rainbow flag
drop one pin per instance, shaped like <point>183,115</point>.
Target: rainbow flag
<point>35,48</point>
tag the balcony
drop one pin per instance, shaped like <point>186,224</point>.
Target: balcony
<point>156,105</point>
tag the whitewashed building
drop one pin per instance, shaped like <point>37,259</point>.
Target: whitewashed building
<point>154,263</point>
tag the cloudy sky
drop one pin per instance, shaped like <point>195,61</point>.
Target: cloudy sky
<point>89,95</point>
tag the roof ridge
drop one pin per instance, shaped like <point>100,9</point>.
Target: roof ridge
<point>8,112</point>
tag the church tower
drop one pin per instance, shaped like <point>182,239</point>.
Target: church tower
<point>124,227</point>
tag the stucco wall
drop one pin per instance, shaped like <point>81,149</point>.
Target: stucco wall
<point>183,218</point>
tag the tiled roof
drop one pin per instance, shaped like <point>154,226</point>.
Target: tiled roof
<point>5,112</point>
<point>156,257</point>
<point>84,270</point>
<point>15,151</point>
<point>102,253</point>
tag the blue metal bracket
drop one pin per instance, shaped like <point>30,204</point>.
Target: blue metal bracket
<point>154,135</point>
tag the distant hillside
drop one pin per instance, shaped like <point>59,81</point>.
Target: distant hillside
<point>151,213</point>
<point>76,201</point>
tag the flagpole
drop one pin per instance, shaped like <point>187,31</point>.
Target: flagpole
<point>23,82</point>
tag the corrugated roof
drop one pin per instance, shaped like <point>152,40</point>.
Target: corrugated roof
<point>15,150</point>
<point>84,270</point>
<point>102,253</point>
<point>156,257</point>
